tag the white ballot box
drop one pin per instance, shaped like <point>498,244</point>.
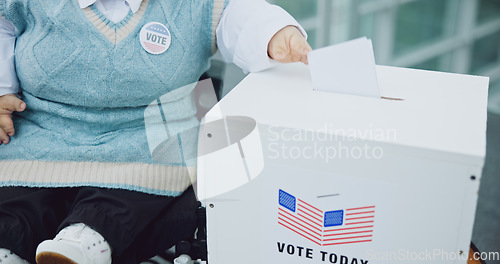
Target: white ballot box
<point>291,175</point>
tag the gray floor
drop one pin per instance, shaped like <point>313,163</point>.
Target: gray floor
<point>486,234</point>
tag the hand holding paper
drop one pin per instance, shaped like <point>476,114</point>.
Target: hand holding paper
<point>288,45</point>
<point>347,68</point>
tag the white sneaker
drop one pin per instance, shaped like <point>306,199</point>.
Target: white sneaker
<point>8,257</point>
<point>75,244</point>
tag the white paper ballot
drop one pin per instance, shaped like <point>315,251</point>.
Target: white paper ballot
<point>348,67</point>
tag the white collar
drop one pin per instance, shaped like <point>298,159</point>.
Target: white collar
<point>133,4</point>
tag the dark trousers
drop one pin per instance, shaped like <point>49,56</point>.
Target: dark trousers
<point>136,225</point>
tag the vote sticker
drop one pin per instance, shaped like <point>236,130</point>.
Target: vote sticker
<point>155,38</point>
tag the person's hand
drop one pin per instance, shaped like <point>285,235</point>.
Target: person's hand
<point>8,104</point>
<point>288,45</point>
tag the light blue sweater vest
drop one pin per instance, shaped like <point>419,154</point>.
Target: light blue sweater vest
<point>87,82</point>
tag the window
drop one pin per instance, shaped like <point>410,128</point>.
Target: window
<point>418,24</point>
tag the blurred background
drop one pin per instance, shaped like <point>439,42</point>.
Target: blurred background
<point>459,36</point>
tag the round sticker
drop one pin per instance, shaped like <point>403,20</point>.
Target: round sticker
<point>155,38</point>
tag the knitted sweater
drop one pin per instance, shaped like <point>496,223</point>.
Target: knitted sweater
<point>88,83</point>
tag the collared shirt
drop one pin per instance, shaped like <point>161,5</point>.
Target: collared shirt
<point>243,34</point>
<point>114,10</point>
<point>133,4</point>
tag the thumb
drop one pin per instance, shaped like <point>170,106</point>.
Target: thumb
<point>11,103</point>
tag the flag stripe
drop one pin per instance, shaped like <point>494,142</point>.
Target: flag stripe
<point>300,219</point>
<point>350,242</point>
<point>154,47</point>
<point>311,211</point>
<point>300,225</point>
<point>359,223</point>
<point>321,212</point>
<point>299,233</point>
<point>349,228</point>
<point>367,212</point>
<point>363,217</point>
<point>297,228</point>
<point>309,220</point>
<point>342,238</point>
<point>349,233</point>
<point>359,208</point>
<point>304,212</point>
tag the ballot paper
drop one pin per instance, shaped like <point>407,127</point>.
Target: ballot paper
<point>348,68</point>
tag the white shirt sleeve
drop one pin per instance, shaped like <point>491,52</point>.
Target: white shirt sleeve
<point>245,29</point>
<point>8,78</point>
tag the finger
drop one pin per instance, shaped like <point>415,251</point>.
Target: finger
<point>300,47</point>
<point>284,55</point>
<point>10,103</point>
<point>278,51</point>
<point>306,51</point>
<point>294,57</point>
<point>4,138</point>
<point>7,125</point>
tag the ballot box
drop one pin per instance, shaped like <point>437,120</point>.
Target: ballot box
<point>293,175</point>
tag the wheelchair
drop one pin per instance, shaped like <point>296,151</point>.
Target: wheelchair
<point>193,250</point>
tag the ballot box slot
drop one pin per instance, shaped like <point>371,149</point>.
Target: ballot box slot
<point>328,195</point>
<point>392,98</point>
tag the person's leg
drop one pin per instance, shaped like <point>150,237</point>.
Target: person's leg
<point>136,225</point>
<point>175,223</point>
<point>29,216</point>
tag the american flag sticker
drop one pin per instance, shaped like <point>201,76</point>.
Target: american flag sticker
<point>326,228</point>
<point>288,201</point>
<point>155,38</point>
